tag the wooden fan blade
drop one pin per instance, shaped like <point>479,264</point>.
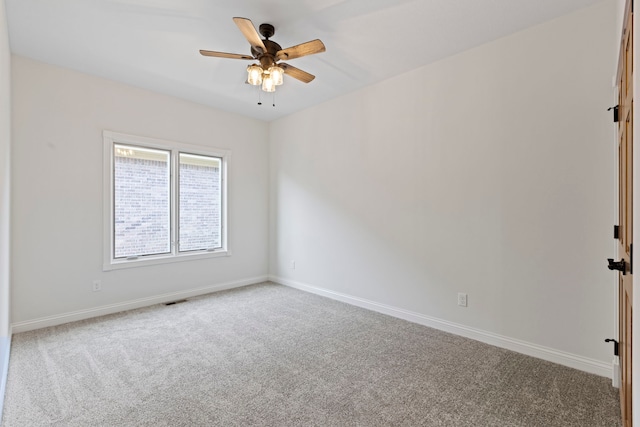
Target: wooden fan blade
<point>225,55</point>
<point>304,49</point>
<point>249,31</point>
<point>297,73</point>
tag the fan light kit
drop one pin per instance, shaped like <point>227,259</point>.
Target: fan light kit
<point>269,72</point>
<point>269,79</point>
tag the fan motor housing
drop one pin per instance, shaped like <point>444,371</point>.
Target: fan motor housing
<point>272,49</point>
<point>268,58</point>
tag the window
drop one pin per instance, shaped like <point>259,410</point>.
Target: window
<point>164,201</point>
<point>200,201</point>
<point>141,201</point>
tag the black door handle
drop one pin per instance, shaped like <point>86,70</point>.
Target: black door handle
<point>617,265</point>
<point>616,346</point>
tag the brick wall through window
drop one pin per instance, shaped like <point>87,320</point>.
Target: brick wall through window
<point>200,207</point>
<point>142,207</point>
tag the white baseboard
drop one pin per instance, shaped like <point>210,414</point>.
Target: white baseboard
<point>5,350</point>
<point>563,358</point>
<point>73,316</point>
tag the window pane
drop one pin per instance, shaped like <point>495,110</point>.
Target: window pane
<point>141,201</point>
<point>200,201</point>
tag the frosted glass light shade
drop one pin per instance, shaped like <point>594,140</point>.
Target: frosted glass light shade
<point>268,84</point>
<point>277,74</point>
<point>254,74</point>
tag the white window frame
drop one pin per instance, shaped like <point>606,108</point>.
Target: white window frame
<point>175,148</point>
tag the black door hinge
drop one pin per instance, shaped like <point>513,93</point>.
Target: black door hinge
<point>615,109</point>
<point>616,231</point>
<point>616,346</point>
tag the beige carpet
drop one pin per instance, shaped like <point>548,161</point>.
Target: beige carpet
<point>268,355</point>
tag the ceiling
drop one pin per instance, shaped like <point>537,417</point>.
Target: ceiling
<point>154,44</point>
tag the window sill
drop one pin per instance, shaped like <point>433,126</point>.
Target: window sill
<point>162,259</point>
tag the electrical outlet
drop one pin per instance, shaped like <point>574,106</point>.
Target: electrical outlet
<point>462,299</point>
<point>97,286</point>
<point>293,264</point>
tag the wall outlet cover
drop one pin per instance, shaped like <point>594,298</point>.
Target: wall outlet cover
<point>462,299</point>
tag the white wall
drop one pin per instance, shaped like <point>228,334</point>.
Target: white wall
<point>5,178</point>
<point>489,173</point>
<point>5,185</point>
<point>58,119</point>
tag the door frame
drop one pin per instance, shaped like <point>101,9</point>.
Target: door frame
<point>636,219</point>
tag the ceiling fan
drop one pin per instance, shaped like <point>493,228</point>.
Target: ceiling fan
<point>269,73</point>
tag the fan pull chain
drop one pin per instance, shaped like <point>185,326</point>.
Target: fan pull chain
<point>274,99</point>
<point>259,96</point>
